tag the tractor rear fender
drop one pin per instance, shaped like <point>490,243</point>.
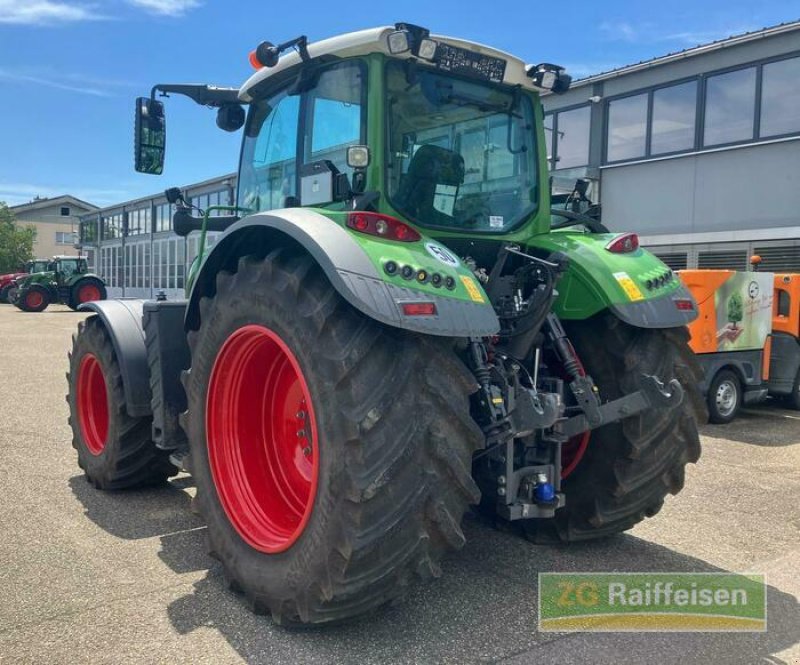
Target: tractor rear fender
<point>636,286</point>
<point>348,267</point>
<point>123,321</point>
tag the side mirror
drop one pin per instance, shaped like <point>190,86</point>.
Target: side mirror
<point>150,132</point>
<point>230,117</point>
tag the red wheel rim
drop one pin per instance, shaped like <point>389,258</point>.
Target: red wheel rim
<point>34,299</point>
<point>88,292</point>
<point>92,404</point>
<point>262,439</point>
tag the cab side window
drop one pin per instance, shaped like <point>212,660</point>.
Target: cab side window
<point>268,175</point>
<point>333,117</point>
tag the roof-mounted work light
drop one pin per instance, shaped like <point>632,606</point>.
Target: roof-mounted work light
<point>549,77</point>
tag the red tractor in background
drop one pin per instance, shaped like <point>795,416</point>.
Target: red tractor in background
<point>7,285</point>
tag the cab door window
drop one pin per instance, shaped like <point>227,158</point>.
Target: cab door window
<point>268,177</point>
<point>335,117</point>
<point>318,124</point>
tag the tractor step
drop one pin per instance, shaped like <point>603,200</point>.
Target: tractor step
<point>181,459</point>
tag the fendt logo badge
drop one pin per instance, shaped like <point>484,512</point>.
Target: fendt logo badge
<point>441,254</point>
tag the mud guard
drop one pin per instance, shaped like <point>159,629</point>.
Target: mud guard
<point>348,268</point>
<point>123,321</point>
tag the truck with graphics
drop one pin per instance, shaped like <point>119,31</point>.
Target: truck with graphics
<point>746,337</point>
<point>389,329</point>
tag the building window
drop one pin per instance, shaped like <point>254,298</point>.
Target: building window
<point>627,127</point>
<point>64,238</point>
<point>568,137</point>
<point>163,217</point>
<point>730,107</point>
<point>780,98</point>
<point>112,226</point>
<point>139,221</point>
<point>673,118</point>
<point>88,231</point>
<point>65,211</point>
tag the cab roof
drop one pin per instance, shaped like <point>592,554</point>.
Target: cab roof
<point>375,40</point>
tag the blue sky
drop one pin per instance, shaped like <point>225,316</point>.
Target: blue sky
<point>70,69</point>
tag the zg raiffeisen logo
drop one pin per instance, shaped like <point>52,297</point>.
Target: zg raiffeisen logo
<point>657,602</point>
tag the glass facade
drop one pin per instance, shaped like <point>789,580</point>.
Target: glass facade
<point>730,107</point>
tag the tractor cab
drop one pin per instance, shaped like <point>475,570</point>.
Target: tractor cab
<point>66,267</point>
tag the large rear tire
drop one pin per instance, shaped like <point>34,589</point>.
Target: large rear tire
<point>114,449</point>
<point>88,289</point>
<point>300,405</point>
<point>628,467</point>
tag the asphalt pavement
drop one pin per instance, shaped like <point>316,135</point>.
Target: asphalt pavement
<point>122,577</point>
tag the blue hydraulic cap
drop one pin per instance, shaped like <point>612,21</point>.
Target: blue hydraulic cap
<point>545,492</point>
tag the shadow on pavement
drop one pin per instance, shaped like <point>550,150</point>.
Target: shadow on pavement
<point>769,424</point>
<point>483,609</point>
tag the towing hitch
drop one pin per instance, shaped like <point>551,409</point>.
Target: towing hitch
<point>534,489</point>
<point>652,393</point>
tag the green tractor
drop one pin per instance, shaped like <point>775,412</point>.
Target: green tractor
<point>388,330</point>
<point>66,280</point>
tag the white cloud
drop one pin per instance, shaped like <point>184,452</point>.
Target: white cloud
<point>45,12</point>
<point>69,82</point>
<point>649,32</point>
<point>584,69</point>
<point>620,30</point>
<point>166,7</point>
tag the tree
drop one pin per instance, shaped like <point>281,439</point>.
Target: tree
<point>735,309</point>
<point>16,242</point>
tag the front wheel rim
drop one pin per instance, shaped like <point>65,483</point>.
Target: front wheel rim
<point>92,404</point>
<point>262,439</point>
<point>34,299</point>
<point>726,398</point>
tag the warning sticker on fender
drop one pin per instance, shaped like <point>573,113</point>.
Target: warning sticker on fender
<point>628,285</point>
<point>472,289</point>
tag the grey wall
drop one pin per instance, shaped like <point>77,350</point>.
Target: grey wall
<point>749,187</point>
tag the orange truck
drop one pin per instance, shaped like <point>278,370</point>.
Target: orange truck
<point>746,337</point>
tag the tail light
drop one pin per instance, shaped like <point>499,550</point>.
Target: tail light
<point>419,308</point>
<point>382,226</point>
<point>684,304</point>
<point>627,242</point>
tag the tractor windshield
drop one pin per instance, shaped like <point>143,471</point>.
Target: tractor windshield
<point>462,154</point>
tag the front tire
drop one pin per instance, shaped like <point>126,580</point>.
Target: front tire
<point>4,294</point>
<point>35,298</point>
<point>376,420</point>
<point>628,467</point>
<point>114,450</point>
<point>724,397</point>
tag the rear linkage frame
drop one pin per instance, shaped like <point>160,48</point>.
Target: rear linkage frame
<point>524,416</point>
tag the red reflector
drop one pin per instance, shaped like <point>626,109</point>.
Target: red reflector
<point>419,308</point>
<point>684,305</point>
<point>382,226</point>
<point>627,242</point>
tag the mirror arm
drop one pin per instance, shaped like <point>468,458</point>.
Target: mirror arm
<point>205,95</point>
